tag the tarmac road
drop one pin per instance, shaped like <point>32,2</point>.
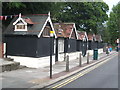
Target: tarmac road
<point>28,77</point>
<point>104,76</point>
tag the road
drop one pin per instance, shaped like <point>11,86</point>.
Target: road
<point>103,76</point>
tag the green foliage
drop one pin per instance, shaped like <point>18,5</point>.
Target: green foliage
<point>88,16</point>
<point>15,5</point>
<point>114,23</point>
<point>12,7</point>
<point>26,7</point>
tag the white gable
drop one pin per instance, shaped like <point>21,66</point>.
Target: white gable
<point>48,20</point>
<point>20,24</point>
<point>86,36</point>
<point>19,19</point>
<point>94,37</point>
<point>74,28</point>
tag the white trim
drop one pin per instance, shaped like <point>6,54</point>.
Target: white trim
<point>48,20</point>
<point>100,38</point>
<point>74,28</point>
<point>24,23</point>
<point>20,29</point>
<point>49,13</point>
<point>71,33</point>
<point>86,36</point>
<point>43,27</point>
<point>60,45</point>
<point>94,38</point>
<point>4,48</point>
<point>19,20</point>
<point>52,27</point>
<point>76,31</point>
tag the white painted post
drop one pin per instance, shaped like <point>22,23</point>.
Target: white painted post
<point>88,58</point>
<point>80,60</point>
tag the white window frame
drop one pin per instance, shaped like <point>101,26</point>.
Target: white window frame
<point>22,23</point>
<point>61,45</point>
<point>16,29</point>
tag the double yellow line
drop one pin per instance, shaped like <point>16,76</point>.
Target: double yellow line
<point>81,74</point>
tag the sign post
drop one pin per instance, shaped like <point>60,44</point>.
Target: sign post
<point>118,41</point>
<point>51,48</point>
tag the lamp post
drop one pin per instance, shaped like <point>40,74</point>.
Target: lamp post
<point>51,50</point>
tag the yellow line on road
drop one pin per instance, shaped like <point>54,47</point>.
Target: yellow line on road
<point>81,74</point>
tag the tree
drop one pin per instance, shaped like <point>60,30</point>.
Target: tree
<point>88,16</point>
<point>12,7</point>
<point>114,23</point>
<point>26,7</point>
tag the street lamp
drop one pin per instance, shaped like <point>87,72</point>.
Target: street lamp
<point>51,48</point>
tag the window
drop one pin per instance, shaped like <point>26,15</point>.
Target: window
<point>60,46</point>
<point>20,26</point>
<point>46,32</point>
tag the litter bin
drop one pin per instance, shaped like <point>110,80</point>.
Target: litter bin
<point>95,55</point>
<point>117,49</point>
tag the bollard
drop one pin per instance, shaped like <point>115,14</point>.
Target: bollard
<point>80,60</point>
<point>65,56</point>
<point>88,58</point>
<point>67,63</point>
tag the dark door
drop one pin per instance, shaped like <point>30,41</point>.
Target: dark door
<point>56,53</point>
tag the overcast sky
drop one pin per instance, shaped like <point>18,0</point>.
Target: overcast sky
<point>111,3</point>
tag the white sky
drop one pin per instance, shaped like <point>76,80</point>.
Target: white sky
<point>111,3</point>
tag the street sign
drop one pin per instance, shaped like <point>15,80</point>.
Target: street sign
<point>51,33</point>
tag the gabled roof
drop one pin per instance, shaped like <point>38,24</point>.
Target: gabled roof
<point>98,38</point>
<point>39,22</point>
<point>65,30</point>
<point>91,37</point>
<point>20,19</point>
<point>82,35</point>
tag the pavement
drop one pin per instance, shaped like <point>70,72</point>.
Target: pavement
<point>39,78</point>
<point>7,64</point>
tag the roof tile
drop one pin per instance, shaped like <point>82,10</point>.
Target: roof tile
<point>63,29</point>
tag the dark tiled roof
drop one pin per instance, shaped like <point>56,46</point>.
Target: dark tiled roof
<point>37,20</point>
<point>63,29</point>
